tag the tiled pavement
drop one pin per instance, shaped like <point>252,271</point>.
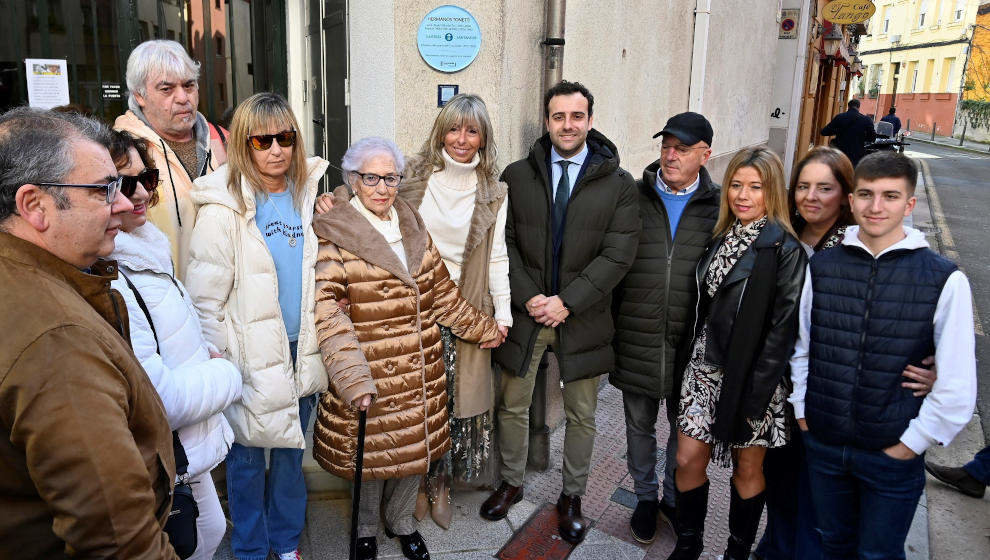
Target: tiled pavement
<point>472,538</point>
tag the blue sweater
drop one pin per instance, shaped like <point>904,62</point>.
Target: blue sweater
<point>675,207</point>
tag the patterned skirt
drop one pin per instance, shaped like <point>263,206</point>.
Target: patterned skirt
<point>699,398</point>
<point>470,438</point>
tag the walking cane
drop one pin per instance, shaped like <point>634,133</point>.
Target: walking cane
<point>356,499</point>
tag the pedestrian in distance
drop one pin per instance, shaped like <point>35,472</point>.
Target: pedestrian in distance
<point>971,479</point>
<point>852,130</point>
<point>734,385</point>
<point>453,183</point>
<point>818,201</point>
<point>87,466</point>
<point>893,119</point>
<point>194,382</point>
<point>571,233</point>
<point>678,207</point>
<point>880,301</point>
<point>376,252</point>
<point>163,82</point>
<point>250,274</point>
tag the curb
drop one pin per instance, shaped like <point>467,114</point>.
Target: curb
<point>950,146</point>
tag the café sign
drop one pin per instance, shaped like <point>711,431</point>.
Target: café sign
<point>845,12</point>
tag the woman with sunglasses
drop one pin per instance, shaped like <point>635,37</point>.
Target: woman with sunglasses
<point>195,383</point>
<point>376,252</point>
<point>250,273</point>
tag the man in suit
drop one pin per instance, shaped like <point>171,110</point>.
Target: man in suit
<point>571,233</point>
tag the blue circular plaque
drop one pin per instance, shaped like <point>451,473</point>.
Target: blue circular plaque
<point>449,38</point>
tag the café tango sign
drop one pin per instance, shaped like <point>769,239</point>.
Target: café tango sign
<point>848,11</point>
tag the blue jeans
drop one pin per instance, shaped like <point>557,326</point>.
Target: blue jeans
<point>267,514</point>
<point>979,467</point>
<point>792,527</point>
<point>865,499</point>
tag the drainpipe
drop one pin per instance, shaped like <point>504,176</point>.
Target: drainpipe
<point>699,57</point>
<point>797,91</point>
<point>553,62</point>
<point>553,71</point>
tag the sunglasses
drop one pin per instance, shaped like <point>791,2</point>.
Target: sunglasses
<point>263,142</point>
<point>148,179</point>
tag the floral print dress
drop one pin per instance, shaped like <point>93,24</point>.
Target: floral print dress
<point>703,381</point>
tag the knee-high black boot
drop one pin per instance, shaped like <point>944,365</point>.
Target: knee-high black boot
<point>692,507</point>
<point>744,520</point>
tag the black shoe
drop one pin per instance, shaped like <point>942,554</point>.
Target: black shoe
<point>497,505</point>
<point>692,508</point>
<point>367,548</point>
<point>958,478</point>
<point>570,523</point>
<point>413,546</point>
<point>744,520</point>
<point>643,523</point>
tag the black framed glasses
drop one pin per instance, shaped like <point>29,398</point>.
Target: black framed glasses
<point>147,178</point>
<point>112,188</point>
<point>372,179</point>
<point>263,142</point>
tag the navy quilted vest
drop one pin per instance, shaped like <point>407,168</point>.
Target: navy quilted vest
<point>870,318</point>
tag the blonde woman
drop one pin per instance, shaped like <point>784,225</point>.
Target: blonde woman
<point>733,388</point>
<point>250,273</point>
<point>453,183</point>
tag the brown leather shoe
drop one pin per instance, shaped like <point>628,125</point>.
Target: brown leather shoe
<point>571,524</point>
<point>497,505</point>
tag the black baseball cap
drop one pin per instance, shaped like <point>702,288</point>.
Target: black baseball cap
<point>689,128</point>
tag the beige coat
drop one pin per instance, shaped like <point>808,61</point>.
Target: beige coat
<point>394,313</point>
<point>475,388</point>
<point>232,280</point>
<point>175,213</point>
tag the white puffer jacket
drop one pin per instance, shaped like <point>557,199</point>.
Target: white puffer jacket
<point>193,387</point>
<point>231,278</point>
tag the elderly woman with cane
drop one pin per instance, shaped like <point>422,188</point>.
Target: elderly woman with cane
<point>376,253</point>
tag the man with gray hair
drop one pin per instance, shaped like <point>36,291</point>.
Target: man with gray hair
<point>86,462</point>
<point>164,95</point>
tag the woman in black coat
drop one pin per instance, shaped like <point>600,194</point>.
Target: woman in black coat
<point>733,389</point>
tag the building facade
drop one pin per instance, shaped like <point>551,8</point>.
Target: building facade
<point>913,60</point>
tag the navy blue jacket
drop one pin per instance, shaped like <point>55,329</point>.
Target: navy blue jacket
<point>870,318</point>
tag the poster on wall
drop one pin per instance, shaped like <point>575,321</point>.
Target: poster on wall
<point>47,82</point>
<point>788,23</point>
<point>449,39</point>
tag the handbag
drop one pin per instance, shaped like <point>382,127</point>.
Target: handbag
<point>181,523</point>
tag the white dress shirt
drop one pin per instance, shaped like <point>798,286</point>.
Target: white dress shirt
<point>573,170</point>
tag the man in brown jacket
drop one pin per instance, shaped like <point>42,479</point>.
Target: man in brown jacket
<point>86,465</point>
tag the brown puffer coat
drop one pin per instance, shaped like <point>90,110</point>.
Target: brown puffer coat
<point>394,315</point>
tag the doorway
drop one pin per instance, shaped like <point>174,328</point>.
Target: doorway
<point>327,33</point>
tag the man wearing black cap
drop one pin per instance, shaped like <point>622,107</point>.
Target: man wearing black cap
<point>678,205</point>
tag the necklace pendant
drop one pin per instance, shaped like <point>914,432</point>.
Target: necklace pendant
<point>292,242</point>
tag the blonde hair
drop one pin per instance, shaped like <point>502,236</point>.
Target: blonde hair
<point>462,109</point>
<point>259,114</point>
<point>771,171</point>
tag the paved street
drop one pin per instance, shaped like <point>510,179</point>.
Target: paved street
<point>962,187</point>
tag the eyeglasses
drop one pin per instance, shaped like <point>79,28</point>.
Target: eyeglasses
<point>372,179</point>
<point>112,188</point>
<point>681,149</point>
<point>148,178</point>
<point>263,142</point>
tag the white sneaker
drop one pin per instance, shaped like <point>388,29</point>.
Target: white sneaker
<point>294,555</point>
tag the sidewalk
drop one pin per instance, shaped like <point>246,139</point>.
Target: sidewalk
<point>968,145</point>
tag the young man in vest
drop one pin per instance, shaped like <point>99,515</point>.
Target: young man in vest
<point>880,301</point>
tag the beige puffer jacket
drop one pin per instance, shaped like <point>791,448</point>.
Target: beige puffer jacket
<point>394,314</point>
<point>231,279</point>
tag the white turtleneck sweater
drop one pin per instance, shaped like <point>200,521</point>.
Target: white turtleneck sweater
<point>447,207</point>
<point>388,228</point>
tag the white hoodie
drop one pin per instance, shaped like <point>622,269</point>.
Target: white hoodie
<point>194,388</point>
<point>949,407</point>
